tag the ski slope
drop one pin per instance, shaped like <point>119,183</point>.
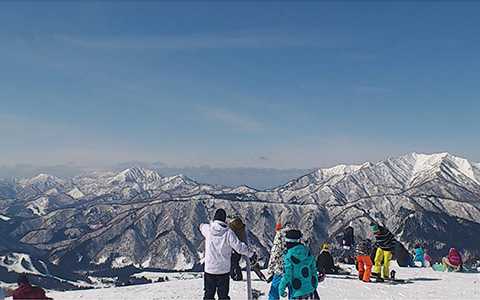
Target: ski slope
<point>426,284</point>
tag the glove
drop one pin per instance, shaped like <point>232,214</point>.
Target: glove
<point>321,277</point>
<point>284,294</point>
<point>269,279</point>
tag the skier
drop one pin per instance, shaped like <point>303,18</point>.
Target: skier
<point>220,240</point>
<point>26,291</point>
<point>275,263</point>
<point>419,254</point>
<point>325,262</point>
<point>385,242</point>
<point>348,243</point>
<point>300,271</point>
<point>364,262</point>
<point>453,261</point>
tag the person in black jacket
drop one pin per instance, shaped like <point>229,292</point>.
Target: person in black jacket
<point>325,262</point>
<point>348,245</point>
<point>385,242</point>
<point>348,239</point>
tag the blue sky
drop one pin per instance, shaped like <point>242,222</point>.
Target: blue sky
<point>238,84</point>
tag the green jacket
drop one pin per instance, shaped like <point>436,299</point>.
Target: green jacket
<point>300,272</point>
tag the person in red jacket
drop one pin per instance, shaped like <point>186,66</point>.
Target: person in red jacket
<point>453,260</point>
<point>26,291</point>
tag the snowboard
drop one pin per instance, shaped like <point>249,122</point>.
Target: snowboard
<point>392,281</point>
<point>373,280</point>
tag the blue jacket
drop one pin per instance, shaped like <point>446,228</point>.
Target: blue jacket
<point>419,254</point>
<point>300,272</point>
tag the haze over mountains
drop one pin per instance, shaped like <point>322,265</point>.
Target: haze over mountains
<point>139,218</point>
<point>260,178</point>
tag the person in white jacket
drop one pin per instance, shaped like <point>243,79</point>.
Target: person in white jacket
<point>220,240</point>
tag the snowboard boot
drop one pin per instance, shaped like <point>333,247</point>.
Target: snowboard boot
<point>392,275</point>
<point>378,277</point>
<point>360,275</point>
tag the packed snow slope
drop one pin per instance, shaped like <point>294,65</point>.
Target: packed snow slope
<point>139,218</point>
<point>426,284</point>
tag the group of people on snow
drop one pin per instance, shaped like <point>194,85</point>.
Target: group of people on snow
<point>292,269</point>
<point>25,290</point>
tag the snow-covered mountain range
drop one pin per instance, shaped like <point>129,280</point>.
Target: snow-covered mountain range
<point>139,218</point>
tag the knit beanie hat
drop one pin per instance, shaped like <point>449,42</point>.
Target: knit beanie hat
<point>374,227</point>
<point>293,236</point>
<point>220,215</point>
<point>278,227</point>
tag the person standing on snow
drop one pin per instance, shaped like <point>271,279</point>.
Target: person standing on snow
<point>385,242</point>
<point>364,262</point>
<point>275,264</point>
<point>348,244</point>
<point>238,228</point>
<point>220,241</point>
<point>300,272</point>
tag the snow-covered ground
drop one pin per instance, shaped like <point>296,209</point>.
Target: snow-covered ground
<point>426,284</point>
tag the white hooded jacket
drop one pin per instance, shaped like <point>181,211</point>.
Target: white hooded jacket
<point>219,242</point>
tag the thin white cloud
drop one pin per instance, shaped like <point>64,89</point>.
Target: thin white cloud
<point>201,41</point>
<point>232,119</point>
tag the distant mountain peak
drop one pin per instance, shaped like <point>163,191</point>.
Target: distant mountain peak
<point>42,181</point>
<point>433,163</point>
<point>136,174</point>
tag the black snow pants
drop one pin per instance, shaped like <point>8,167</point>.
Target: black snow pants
<point>216,283</point>
<point>235,270</point>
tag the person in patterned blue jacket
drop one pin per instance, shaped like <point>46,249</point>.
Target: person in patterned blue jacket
<point>300,271</point>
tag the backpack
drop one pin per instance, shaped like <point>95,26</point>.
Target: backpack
<point>300,271</point>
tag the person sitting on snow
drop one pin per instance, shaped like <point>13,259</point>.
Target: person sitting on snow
<point>419,254</point>
<point>385,241</point>
<point>220,241</point>
<point>300,272</point>
<point>453,261</point>
<point>26,291</point>
<point>325,263</point>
